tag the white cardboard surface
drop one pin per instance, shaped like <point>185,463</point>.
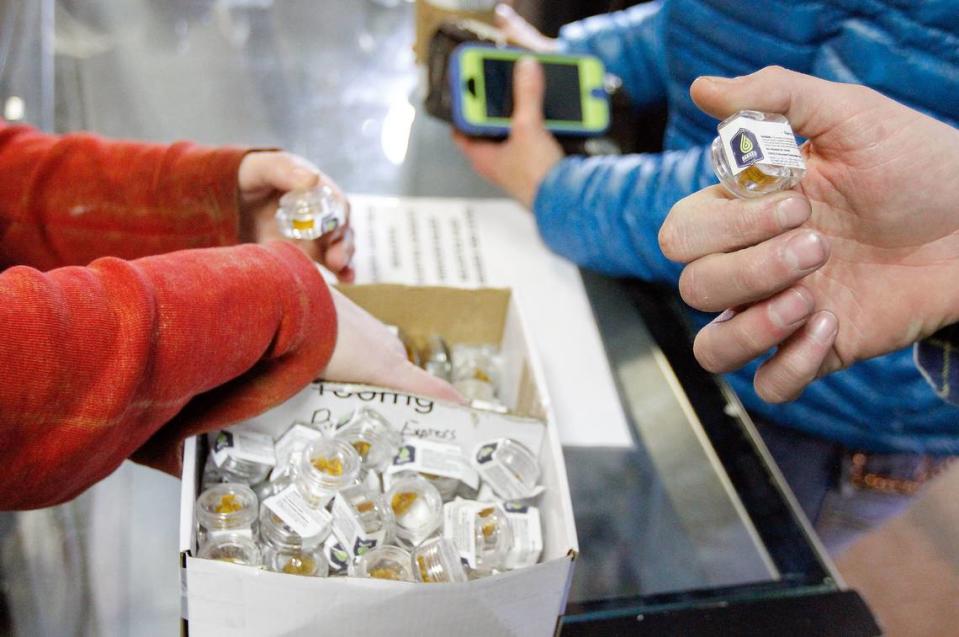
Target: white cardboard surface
<point>494,243</point>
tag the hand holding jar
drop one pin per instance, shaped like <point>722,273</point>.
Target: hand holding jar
<point>859,259</point>
<point>265,179</point>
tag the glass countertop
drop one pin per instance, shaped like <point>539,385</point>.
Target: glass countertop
<point>674,515</point>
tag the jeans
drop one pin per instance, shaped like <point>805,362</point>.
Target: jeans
<point>817,471</point>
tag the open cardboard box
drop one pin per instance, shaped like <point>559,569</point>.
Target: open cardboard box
<point>227,599</point>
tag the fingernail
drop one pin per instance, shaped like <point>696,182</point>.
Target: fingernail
<point>504,10</point>
<point>725,316</point>
<point>305,176</point>
<point>823,327</point>
<point>792,212</point>
<point>525,66</point>
<point>804,251</point>
<point>791,307</point>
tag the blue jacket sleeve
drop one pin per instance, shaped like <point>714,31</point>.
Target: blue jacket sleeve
<point>604,213</point>
<point>631,45</point>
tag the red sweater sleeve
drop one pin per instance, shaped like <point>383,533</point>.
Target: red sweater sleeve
<point>66,200</point>
<point>101,362</point>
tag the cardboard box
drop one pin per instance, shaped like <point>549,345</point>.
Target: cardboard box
<point>227,599</point>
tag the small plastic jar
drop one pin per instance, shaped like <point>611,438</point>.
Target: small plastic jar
<point>372,436</point>
<point>232,547</point>
<point>327,466</point>
<point>494,537</point>
<point>447,487</point>
<point>436,561</point>
<point>361,518</point>
<point>226,509</point>
<point>436,358</point>
<point>756,153</point>
<point>310,214</point>
<point>242,470</point>
<point>211,475</point>
<point>510,469</point>
<point>417,509</point>
<point>285,551</point>
<point>475,362</point>
<point>385,562</point>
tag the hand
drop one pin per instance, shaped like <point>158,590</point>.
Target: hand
<point>263,178</point>
<point>366,352</point>
<point>519,164</point>
<point>521,33</point>
<point>861,259</point>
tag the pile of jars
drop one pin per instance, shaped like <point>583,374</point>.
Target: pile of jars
<point>474,370</point>
<point>359,501</point>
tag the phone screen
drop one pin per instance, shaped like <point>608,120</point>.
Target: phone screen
<point>562,101</point>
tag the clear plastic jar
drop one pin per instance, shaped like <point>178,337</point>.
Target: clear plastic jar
<point>510,469</point>
<point>494,537</point>
<point>362,519</point>
<point>231,464</point>
<point>232,547</point>
<point>476,362</point>
<point>226,508</point>
<point>385,562</point>
<point>437,561</point>
<point>756,153</point>
<point>417,509</point>
<point>436,358</point>
<point>373,437</point>
<point>211,475</point>
<point>446,486</point>
<point>327,466</point>
<point>310,214</point>
<point>285,551</point>
<point>476,371</point>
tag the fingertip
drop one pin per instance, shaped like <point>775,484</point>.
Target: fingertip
<point>346,275</point>
<point>823,328</point>
<point>303,178</point>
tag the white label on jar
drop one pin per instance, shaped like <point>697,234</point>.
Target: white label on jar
<point>349,530</point>
<point>424,456</point>
<point>295,440</point>
<point>748,141</point>
<point>459,527</point>
<point>527,535</point>
<point>500,478</point>
<point>243,445</point>
<point>290,506</point>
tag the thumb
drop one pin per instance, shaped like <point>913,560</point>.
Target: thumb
<point>277,171</point>
<point>811,105</point>
<point>529,86</point>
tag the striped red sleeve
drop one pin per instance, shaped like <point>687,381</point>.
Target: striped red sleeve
<point>66,200</point>
<point>128,358</point>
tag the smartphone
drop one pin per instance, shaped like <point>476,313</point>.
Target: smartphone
<point>481,78</point>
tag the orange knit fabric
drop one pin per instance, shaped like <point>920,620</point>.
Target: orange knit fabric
<point>128,356</point>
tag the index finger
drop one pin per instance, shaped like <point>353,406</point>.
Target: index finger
<point>711,220</point>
